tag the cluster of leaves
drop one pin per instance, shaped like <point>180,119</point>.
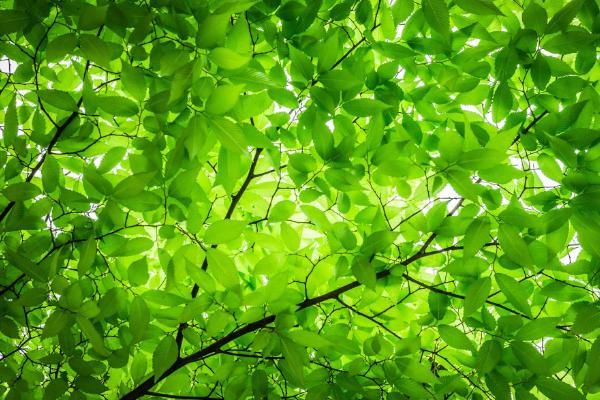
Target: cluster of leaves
<point>320,199</point>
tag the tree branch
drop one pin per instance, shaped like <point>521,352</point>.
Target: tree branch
<point>234,202</point>
<point>176,396</point>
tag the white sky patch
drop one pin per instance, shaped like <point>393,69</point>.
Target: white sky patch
<point>472,108</point>
<point>330,125</point>
<point>448,192</point>
<point>399,30</point>
<point>574,250</point>
<point>7,65</point>
<point>547,53</point>
<point>401,72</point>
<point>489,119</point>
<point>264,279</point>
<point>279,108</point>
<point>545,180</point>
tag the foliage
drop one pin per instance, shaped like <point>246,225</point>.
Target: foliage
<point>357,199</point>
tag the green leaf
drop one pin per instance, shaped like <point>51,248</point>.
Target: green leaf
<point>506,63</point>
<point>13,21</point>
<point>137,273</point>
<point>564,16</point>
<point>9,328</point>
<point>228,59</point>
<point>224,231</point>
<point>513,292</point>
<point>377,242</point>
<point>92,17</point>
<point>437,15</point>
<point>229,134</point>
<point>222,268</point>
<point>164,356</point>
<point>365,107</point>
<point>564,151</point>
<point>222,99</point>
<point>538,328</point>
<point>60,46</point>
<point>476,235</point>
<point>450,146</point>
<point>462,183</point>
<point>55,389</point>
<point>132,185</point>
<point>587,319</point>
<point>95,338</point>
<point>88,384</point>
<point>557,390</point>
<point>132,247</point>
<point>535,17</point>
<point>593,375</point>
<point>364,11</point>
<point>529,357</point>
<point>550,167</point>
<point>323,140</point>
<point>117,105</point>
<point>87,255</point>
<point>139,318</point>
<point>498,386</point>
<point>260,384</point>
<point>21,191</point>
<point>163,298</point>
<point>59,99</point>
<point>301,62</point>
<point>143,201</point>
<point>133,81</point>
<point>503,102</point>
<point>568,42</point>
<point>438,304</point>
<point>393,50</point>
<point>11,124</point>
<point>309,339</point>
<point>479,7</point>
<point>479,159</point>
<point>57,322</point>
<point>364,272</point>
<point>339,80</point>
<point>454,337</point>
<point>302,162</point>
<point>282,211</point>
<point>540,72</point>
<point>294,356</point>
<point>587,227</point>
<point>212,30</point>
<point>25,265</point>
<point>488,356</point>
<point>94,49</point>
<point>476,295</point>
<point>513,245</point>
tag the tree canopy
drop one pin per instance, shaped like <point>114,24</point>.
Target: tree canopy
<point>299,199</point>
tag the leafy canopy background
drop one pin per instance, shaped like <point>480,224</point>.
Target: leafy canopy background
<point>300,199</point>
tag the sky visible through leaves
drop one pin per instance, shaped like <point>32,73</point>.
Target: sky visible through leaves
<point>299,199</point>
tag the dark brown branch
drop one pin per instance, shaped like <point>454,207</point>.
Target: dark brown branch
<point>59,131</point>
<point>215,347</point>
<point>236,198</point>
<point>234,201</point>
<point>176,396</point>
<point>36,168</point>
<point>528,127</point>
